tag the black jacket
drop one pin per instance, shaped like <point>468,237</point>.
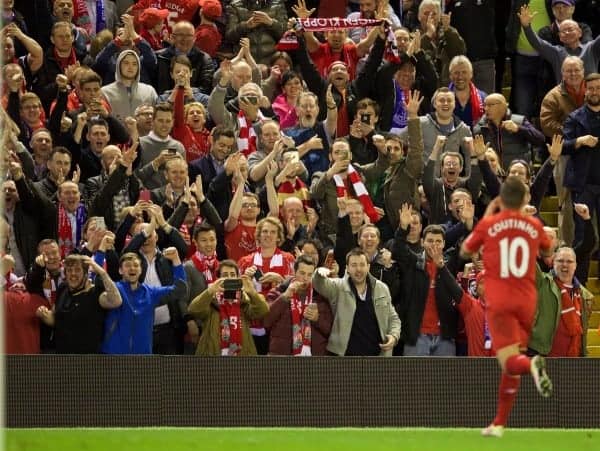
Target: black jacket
<point>203,69</point>
<point>414,290</point>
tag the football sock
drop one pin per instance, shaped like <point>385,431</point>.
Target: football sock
<point>507,393</point>
<point>518,364</point>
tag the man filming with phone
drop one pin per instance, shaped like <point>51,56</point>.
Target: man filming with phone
<point>226,309</point>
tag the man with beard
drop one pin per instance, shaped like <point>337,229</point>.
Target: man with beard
<point>581,132</point>
<point>369,9</point>
<point>128,329</point>
<point>560,101</point>
<point>299,319</point>
<point>365,322</point>
<point>78,315</point>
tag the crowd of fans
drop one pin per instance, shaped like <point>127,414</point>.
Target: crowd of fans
<point>236,178</point>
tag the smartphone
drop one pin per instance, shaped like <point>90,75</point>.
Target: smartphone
<point>100,223</point>
<point>232,284</point>
<point>145,195</point>
<point>251,99</point>
<point>172,150</point>
<point>258,274</point>
<point>231,288</point>
<point>365,118</point>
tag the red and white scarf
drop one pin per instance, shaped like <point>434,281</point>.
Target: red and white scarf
<point>570,316</point>
<point>301,328</point>
<point>207,265</point>
<point>476,102</point>
<point>256,326</point>
<point>65,230</point>
<point>246,141</point>
<point>230,315</point>
<point>359,189</point>
<point>50,284</point>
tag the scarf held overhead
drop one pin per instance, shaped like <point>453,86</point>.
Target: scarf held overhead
<point>333,23</point>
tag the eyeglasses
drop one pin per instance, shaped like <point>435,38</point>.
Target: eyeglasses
<point>249,205</point>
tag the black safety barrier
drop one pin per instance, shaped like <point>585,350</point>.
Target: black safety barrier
<point>130,391</point>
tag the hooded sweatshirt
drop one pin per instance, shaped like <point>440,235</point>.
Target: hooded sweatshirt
<point>124,100</point>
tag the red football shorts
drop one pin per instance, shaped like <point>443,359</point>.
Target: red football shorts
<point>511,323</point>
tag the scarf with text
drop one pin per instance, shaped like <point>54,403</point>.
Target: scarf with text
<point>400,117</point>
<point>301,329</point>
<point>359,189</point>
<point>570,315</point>
<point>207,265</point>
<point>246,141</point>
<point>65,230</point>
<point>50,284</point>
<point>230,315</point>
<point>289,40</point>
<point>476,101</point>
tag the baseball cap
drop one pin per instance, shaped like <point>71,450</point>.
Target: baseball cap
<point>153,16</point>
<point>564,2</point>
<point>211,8</point>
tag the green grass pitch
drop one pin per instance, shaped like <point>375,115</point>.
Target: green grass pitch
<point>296,439</point>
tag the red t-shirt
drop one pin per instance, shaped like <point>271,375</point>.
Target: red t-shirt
<point>431,320</point>
<point>22,327</point>
<point>178,9</point>
<point>511,243</point>
<point>240,241</point>
<point>323,57</point>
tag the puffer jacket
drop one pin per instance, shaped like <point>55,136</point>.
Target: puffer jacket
<point>262,38</point>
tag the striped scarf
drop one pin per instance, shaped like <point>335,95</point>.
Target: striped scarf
<point>359,188</point>
<point>230,315</point>
<point>65,230</point>
<point>301,329</point>
<point>207,265</point>
<point>246,141</point>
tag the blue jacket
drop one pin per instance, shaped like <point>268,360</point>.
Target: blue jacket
<point>580,122</point>
<point>128,329</point>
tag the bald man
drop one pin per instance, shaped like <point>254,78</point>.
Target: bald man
<point>183,43</point>
<point>510,135</point>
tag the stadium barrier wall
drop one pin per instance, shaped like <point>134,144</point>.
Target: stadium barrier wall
<point>136,391</point>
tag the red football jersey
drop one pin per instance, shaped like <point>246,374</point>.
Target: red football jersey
<point>178,9</point>
<point>510,242</point>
